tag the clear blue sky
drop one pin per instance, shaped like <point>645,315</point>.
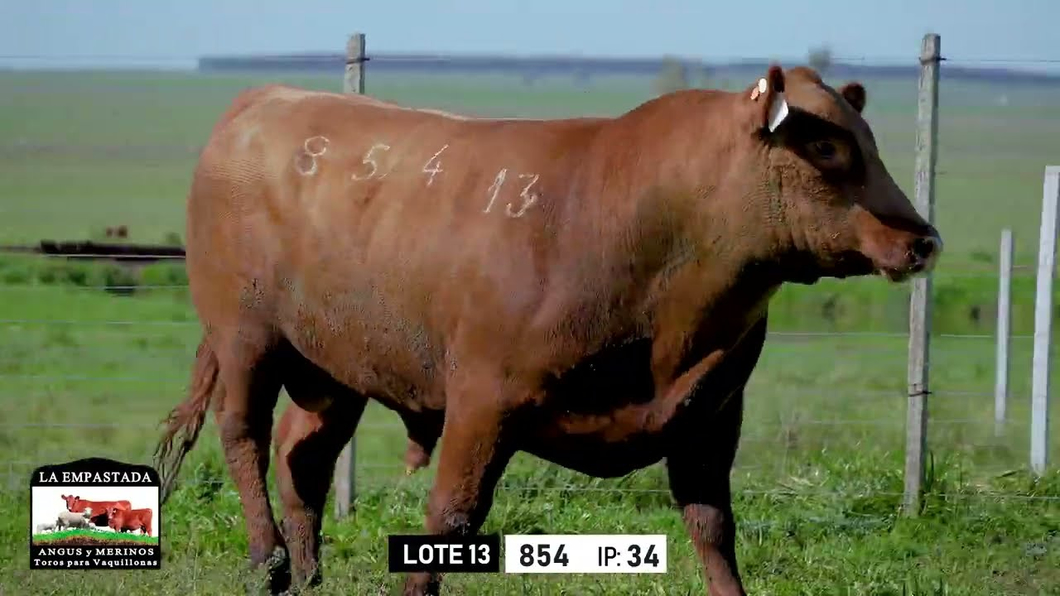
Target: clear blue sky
<point>695,28</point>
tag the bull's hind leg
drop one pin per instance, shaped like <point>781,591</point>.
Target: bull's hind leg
<point>251,387</point>
<point>306,453</point>
<point>474,452</point>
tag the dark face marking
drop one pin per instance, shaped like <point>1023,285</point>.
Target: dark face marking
<point>844,213</point>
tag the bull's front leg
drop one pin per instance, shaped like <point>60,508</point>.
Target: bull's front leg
<point>699,470</point>
<point>473,454</point>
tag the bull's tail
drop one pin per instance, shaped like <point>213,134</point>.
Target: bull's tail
<point>186,419</point>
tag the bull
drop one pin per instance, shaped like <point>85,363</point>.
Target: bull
<point>76,504</point>
<point>130,520</point>
<point>593,291</point>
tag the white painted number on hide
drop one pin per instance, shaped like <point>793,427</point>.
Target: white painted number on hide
<point>369,160</point>
<point>312,148</point>
<point>495,188</point>
<point>528,197</point>
<point>437,165</point>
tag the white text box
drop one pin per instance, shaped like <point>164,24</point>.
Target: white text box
<point>585,553</point>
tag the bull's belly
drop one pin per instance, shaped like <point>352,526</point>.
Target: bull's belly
<point>383,354</point>
<point>376,367</point>
<point>597,457</point>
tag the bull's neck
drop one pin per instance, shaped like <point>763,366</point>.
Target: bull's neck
<point>675,174</point>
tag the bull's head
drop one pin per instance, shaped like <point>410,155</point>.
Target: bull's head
<point>71,501</point>
<point>833,208</point>
<point>113,512</point>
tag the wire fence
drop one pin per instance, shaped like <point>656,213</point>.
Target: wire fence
<point>846,411</point>
<point>875,59</point>
<point>769,434</point>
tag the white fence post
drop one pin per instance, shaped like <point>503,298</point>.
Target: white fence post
<point>1004,333</point>
<point>346,465</point>
<point>920,300</point>
<point>1043,318</point>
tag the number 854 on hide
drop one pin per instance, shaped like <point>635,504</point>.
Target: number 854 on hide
<point>586,553</point>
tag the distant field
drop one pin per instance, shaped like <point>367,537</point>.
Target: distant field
<point>79,151</point>
<point>819,474</point>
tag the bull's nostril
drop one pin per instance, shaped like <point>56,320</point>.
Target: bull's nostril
<point>924,247</point>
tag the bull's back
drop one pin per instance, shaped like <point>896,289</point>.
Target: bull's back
<point>360,229</point>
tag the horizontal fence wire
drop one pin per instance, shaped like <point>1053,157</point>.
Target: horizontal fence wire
<point>182,382</point>
<point>389,482</point>
<point>65,286</point>
<point>116,425</point>
<point>807,334</point>
<point>45,286</point>
<point>32,250</point>
<point>836,59</point>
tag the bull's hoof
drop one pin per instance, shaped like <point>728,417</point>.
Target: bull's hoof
<point>277,575</point>
<point>421,584</point>
<point>303,581</point>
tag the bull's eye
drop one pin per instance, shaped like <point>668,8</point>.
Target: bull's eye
<point>823,149</point>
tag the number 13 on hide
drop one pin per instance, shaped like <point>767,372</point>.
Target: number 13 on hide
<point>585,553</point>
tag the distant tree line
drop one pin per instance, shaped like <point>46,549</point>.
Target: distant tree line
<point>676,74</point>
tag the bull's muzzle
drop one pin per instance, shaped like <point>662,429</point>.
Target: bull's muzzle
<point>920,256</point>
<point>924,252</point>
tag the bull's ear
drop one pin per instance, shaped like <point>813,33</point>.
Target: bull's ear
<point>765,101</point>
<point>855,95</point>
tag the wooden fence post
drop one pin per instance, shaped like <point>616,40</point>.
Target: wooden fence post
<point>1004,333</point>
<point>353,79</point>
<point>345,467</point>
<point>920,299</point>
<point>1043,318</point>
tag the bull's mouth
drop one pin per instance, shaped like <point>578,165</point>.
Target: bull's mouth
<point>898,275</point>
<point>916,260</point>
<point>807,268</point>
<point>852,264</point>
<point>914,268</point>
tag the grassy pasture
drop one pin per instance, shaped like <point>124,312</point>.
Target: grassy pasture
<point>819,474</point>
<point>67,536</point>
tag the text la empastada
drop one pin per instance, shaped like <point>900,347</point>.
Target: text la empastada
<point>95,477</point>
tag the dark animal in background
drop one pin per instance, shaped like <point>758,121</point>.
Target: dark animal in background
<point>593,291</point>
<point>121,231</point>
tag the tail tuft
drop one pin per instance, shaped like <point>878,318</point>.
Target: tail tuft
<point>186,419</point>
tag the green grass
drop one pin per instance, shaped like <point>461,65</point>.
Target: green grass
<point>94,534</point>
<point>819,472</point>
<point>818,477</point>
